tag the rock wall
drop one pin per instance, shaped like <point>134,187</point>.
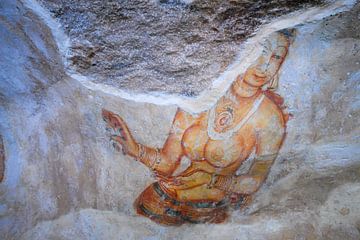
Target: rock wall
<point>63,180</point>
<point>161,46</point>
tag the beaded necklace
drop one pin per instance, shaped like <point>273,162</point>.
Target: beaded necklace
<point>226,118</point>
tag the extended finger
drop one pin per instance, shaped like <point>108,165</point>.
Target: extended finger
<point>176,181</point>
<point>122,133</point>
<point>106,115</point>
<point>189,171</point>
<point>117,138</point>
<point>114,120</point>
<point>163,177</point>
<point>118,143</point>
<point>171,181</point>
<point>120,125</point>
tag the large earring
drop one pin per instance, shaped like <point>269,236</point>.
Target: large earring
<point>272,84</point>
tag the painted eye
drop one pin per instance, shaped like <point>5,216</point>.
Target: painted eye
<point>277,57</point>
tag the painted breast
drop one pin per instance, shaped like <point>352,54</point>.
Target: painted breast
<point>222,153</point>
<point>194,141</point>
<point>198,146</point>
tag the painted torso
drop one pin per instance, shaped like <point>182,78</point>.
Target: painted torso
<point>198,145</point>
<point>228,152</point>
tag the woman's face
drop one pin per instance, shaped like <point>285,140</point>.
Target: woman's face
<point>268,64</point>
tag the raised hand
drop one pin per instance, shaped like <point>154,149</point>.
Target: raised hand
<point>122,139</point>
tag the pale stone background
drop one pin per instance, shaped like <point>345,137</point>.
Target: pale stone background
<point>63,180</point>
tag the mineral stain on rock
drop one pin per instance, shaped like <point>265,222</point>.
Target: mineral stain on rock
<point>172,46</point>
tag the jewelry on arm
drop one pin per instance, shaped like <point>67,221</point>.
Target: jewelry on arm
<point>155,163</point>
<point>223,182</point>
<point>149,159</point>
<point>141,153</point>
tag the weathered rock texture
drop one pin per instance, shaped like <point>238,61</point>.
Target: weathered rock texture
<point>168,46</point>
<point>63,180</point>
<point>2,159</point>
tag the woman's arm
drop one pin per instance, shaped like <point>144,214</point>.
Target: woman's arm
<point>163,161</point>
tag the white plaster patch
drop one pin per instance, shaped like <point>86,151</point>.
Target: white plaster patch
<point>62,40</point>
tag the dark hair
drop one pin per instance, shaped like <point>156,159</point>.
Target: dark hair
<point>290,33</point>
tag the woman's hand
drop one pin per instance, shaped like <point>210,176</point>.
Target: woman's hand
<point>185,182</point>
<point>122,139</point>
<point>196,166</point>
<point>244,184</point>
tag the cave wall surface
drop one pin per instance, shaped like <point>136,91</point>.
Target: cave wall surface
<point>64,180</point>
<point>161,46</point>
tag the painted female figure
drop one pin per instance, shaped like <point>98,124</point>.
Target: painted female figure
<point>248,119</point>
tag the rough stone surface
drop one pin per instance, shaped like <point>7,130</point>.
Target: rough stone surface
<point>63,180</point>
<point>2,159</point>
<point>168,46</point>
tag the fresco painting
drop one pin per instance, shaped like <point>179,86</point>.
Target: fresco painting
<point>248,123</point>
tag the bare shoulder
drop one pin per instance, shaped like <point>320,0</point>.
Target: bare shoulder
<point>184,118</point>
<point>269,115</point>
